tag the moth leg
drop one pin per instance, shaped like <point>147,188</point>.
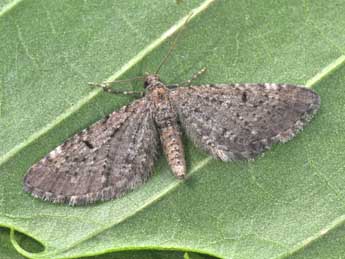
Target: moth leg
<point>108,89</point>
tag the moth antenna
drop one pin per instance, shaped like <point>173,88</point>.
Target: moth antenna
<point>173,45</point>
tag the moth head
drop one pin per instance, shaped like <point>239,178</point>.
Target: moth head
<point>151,80</point>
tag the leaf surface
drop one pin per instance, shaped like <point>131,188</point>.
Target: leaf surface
<point>287,204</point>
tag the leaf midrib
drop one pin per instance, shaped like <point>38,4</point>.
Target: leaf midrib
<point>6,8</point>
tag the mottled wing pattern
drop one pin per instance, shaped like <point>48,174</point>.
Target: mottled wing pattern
<point>102,162</point>
<point>240,121</point>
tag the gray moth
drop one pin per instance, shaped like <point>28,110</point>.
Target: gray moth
<point>118,153</point>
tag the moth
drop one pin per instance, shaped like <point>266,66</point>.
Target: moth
<point>117,154</point>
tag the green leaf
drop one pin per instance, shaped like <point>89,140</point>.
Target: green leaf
<point>287,204</point>
<point>7,251</point>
